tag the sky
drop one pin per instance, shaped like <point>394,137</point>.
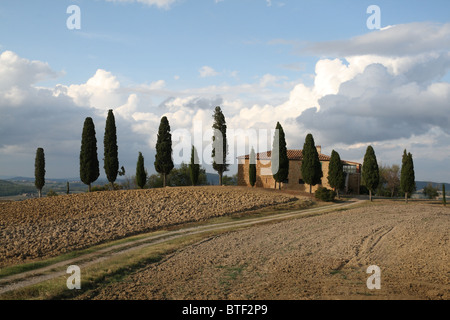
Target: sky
<point>352,77</point>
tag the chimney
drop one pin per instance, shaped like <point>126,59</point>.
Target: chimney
<point>319,149</point>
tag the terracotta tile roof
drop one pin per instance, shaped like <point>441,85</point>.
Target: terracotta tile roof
<point>292,155</point>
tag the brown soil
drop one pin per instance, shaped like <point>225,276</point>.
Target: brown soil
<point>319,257</point>
<point>41,228</point>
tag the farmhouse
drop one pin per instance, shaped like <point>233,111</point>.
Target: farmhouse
<point>264,178</point>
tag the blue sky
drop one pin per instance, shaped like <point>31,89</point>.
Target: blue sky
<point>305,63</point>
<point>143,43</point>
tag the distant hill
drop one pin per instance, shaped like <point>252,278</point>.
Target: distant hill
<point>21,179</point>
<point>8,188</point>
<point>212,178</point>
<point>20,185</point>
<point>422,184</point>
<point>64,180</point>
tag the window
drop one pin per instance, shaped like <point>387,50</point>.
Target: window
<point>350,168</point>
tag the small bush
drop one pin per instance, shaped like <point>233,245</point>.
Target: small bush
<point>51,193</point>
<point>324,194</point>
<point>99,188</point>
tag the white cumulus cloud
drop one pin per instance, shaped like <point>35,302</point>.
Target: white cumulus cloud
<point>163,4</point>
<point>207,71</point>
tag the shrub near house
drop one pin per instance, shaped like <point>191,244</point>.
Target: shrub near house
<point>325,194</point>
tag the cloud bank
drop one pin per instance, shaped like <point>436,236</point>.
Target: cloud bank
<point>386,88</point>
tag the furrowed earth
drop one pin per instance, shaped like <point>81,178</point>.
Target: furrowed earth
<point>319,256</point>
<point>41,228</point>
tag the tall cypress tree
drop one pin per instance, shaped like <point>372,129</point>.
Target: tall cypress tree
<point>404,160</point>
<point>252,168</point>
<point>141,174</point>
<point>311,167</point>
<point>163,159</point>
<point>370,171</point>
<point>336,175</point>
<point>279,159</point>
<point>39,170</point>
<point>444,198</point>
<point>219,144</point>
<point>407,175</point>
<point>89,165</point>
<point>194,167</point>
<point>111,159</point>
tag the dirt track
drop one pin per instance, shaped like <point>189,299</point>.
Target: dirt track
<point>322,257</point>
<point>41,228</point>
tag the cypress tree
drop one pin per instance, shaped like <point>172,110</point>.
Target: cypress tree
<point>219,144</point>
<point>370,171</point>
<point>67,188</point>
<point>39,170</point>
<point>403,169</point>
<point>336,175</point>
<point>89,165</point>
<point>163,159</point>
<point>194,167</point>
<point>252,168</point>
<point>279,160</point>
<point>311,167</point>
<point>111,160</point>
<point>141,174</point>
<point>407,175</point>
<point>444,200</point>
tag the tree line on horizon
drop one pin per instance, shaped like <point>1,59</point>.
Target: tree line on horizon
<point>89,163</point>
<point>311,168</point>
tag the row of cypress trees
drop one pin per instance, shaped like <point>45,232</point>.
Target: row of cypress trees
<point>89,164</point>
<point>311,168</point>
<point>371,174</point>
<point>163,158</point>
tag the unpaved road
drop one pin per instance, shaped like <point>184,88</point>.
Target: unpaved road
<point>28,278</point>
<point>318,257</point>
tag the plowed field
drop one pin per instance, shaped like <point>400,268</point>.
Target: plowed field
<point>318,257</point>
<point>40,228</point>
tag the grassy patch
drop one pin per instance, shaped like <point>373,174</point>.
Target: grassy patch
<point>338,272</point>
<point>16,269</point>
<point>230,274</point>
